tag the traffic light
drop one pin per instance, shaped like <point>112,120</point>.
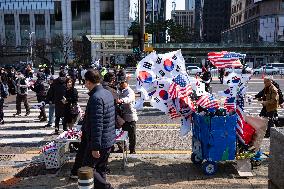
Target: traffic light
<point>146,37</point>
<point>136,50</point>
<point>136,43</point>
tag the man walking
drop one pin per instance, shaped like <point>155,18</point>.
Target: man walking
<point>129,114</point>
<point>270,102</point>
<point>22,93</point>
<point>98,130</point>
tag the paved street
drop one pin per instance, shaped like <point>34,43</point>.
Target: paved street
<point>22,138</point>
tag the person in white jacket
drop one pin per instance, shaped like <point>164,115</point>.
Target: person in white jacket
<point>129,114</point>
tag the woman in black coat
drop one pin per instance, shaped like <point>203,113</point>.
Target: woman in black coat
<point>59,91</point>
<point>70,101</point>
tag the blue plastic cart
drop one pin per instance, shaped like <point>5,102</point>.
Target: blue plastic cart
<point>214,139</point>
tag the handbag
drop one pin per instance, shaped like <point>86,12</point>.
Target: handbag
<point>75,109</point>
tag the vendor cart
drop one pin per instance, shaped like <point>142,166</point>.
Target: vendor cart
<point>214,139</point>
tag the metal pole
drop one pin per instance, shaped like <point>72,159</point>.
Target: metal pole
<point>153,19</point>
<point>142,24</point>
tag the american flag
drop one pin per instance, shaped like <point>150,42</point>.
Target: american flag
<point>230,103</point>
<point>244,130</point>
<point>207,101</point>
<point>225,59</point>
<point>173,113</point>
<point>180,88</point>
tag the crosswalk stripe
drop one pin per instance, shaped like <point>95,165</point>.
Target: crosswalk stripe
<point>26,132</point>
<point>21,140</point>
<point>24,124</point>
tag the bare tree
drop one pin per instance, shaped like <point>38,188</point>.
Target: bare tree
<point>63,43</point>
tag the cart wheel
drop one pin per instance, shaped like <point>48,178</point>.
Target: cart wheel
<point>195,159</point>
<point>209,167</point>
<point>255,163</point>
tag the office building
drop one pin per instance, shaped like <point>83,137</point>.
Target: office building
<point>73,18</point>
<point>190,5</point>
<point>184,18</point>
<point>211,18</point>
<point>255,21</point>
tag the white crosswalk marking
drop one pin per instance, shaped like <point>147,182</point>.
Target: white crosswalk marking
<point>23,130</point>
<point>21,140</point>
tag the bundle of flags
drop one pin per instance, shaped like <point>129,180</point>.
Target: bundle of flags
<point>162,79</point>
<point>208,101</point>
<point>73,134</point>
<point>225,59</point>
<point>50,147</point>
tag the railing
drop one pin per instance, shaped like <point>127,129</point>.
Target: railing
<point>218,45</point>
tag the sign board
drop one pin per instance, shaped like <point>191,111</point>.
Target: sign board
<point>148,49</point>
<point>120,59</point>
<point>150,38</point>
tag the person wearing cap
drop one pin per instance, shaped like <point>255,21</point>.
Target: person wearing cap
<point>270,102</point>
<point>129,114</point>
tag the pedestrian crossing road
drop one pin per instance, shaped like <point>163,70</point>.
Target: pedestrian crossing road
<point>25,132</point>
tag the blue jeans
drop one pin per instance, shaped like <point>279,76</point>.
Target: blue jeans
<point>51,114</point>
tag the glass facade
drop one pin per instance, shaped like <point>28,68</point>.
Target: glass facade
<point>10,29</point>
<point>81,22</point>
<point>40,26</point>
<point>57,27</point>
<point>264,29</point>
<point>25,28</point>
<point>107,17</point>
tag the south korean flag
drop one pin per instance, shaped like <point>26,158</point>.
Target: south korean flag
<point>169,65</point>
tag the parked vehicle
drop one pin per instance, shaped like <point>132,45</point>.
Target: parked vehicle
<point>239,70</point>
<point>193,70</point>
<point>266,70</point>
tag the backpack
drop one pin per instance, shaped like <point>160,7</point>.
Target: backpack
<point>4,90</point>
<point>45,87</point>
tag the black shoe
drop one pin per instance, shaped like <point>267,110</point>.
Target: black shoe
<point>132,152</point>
<point>28,113</point>
<point>39,117</point>
<point>17,114</point>
<point>2,122</point>
<point>48,125</point>
<point>43,120</point>
<point>56,132</point>
<point>73,176</point>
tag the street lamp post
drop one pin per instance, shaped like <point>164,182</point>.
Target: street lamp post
<point>31,46</point>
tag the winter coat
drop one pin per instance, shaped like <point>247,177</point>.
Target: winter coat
<point>59,90</point>
<point>40,88</point>
<point>272,98</point>
<point>71,99</point>
<point>128,110</point>
<point>50,95</point>
<point>22,86</point>
<point>99,125</point>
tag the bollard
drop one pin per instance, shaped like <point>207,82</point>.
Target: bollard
<point>85,178</point>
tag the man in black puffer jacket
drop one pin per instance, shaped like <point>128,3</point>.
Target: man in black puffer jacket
<point>98,130</point>
<point>40,88</point>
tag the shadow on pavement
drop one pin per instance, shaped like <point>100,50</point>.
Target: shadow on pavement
<point>145,173</point>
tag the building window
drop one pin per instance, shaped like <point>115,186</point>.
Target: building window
<point>10,29</point>
<point>40,26</point>
<point>25,28</point>
<point>282,4</point>
<point>107,10</point>
<point>81,23</point>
